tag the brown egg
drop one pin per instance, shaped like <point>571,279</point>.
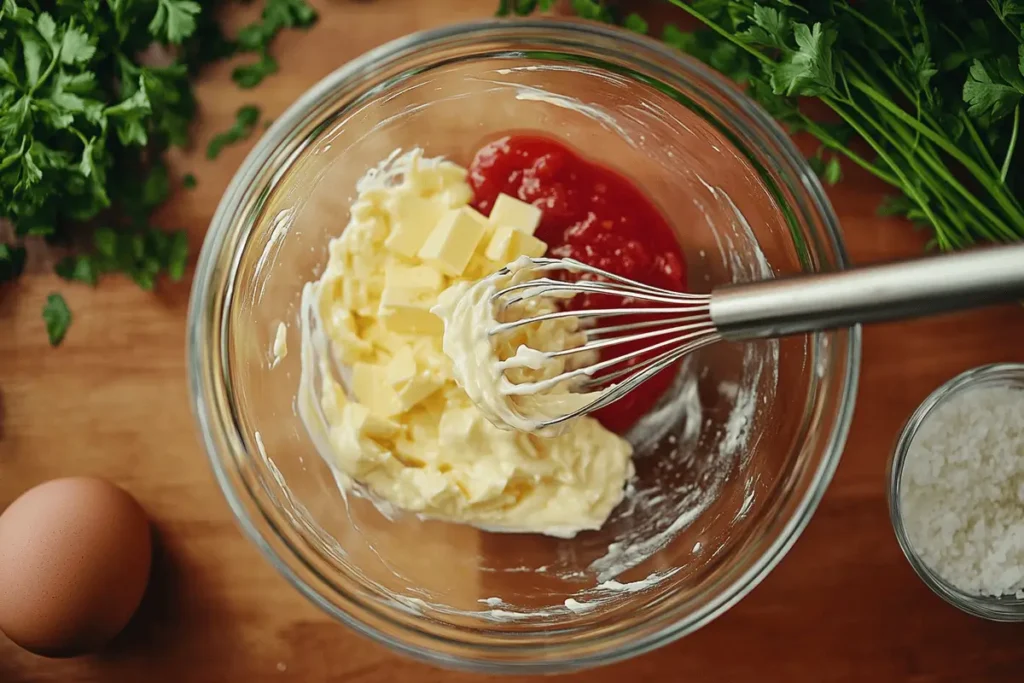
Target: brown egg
<point>75,556</point>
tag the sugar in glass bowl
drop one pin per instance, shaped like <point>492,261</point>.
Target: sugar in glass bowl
<point>731,464</point>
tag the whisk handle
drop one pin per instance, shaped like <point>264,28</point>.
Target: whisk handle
<point>892,291</point>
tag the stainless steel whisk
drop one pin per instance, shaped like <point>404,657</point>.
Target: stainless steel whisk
<point>677,324</point>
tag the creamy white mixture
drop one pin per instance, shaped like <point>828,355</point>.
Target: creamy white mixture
<point>397,422</point>
<point>513,384</point>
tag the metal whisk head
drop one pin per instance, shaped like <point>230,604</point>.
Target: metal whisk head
<point>670,326</point>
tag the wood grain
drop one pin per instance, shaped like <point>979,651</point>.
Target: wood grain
<point>844,606</point>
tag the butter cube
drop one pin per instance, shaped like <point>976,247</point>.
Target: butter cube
<point>509,211</point>
<point>528,245</point>
<point>402,368</point>
<point>452,243</point>
<point>508,244</point>
<point>368,424</point>
<point>407,311</point>
<point>412,219</point>
<point>457,196</point>
<point>355,454</point>
<point>383,338</point>
<point>422,278</point>
<point>369,384</point>
<point>416,390</point>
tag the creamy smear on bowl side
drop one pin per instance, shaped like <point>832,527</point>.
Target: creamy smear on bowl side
<point>397,422</point>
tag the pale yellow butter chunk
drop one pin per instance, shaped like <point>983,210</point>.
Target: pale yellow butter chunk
<point>368,424</point>
<point>510,212</point>
<point>370,385</point>
<point>356,455</point>
<point>407,311</point>
<point>411,384</point>
<point>423,278</point>
<point>452,243</point>
<point>413,218</point>
<point>406,299</point>
<point>417,390</point>
<point>508,243</point>
<point>402,368</point>
<point>457,195</point>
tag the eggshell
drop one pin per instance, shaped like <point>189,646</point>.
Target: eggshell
<point>75,556</point>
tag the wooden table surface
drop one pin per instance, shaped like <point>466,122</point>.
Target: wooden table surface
<point>112,401</point>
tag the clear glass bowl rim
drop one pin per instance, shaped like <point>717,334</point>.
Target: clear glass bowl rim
<point>207,310</point>
<point>1005,609</point>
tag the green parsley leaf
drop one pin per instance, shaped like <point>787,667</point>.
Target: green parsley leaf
<point>12,262</point>
<point>1007,8</point>
<point>522,8</point>
<point>988,93</point>
<point>770,29</point>
<point>57,316</point>
<point>129,116</point>
<point>250,75</point>
<point>84,123</point>
<point>807,71</point>
<point>177,256</point>
<point>33,53</point>
<point>80,268</point>
<point>833,171</point>
<point>157,186</point>
<point>592,9</point>
<point>175,20</point>
<point>188,181</point>
<point>246,119</point>
<point>636,23</point>
<point>681,40</point>
<point>77,46</point>
<point>256,37</point>
<point>105,242</point>
<point>288,13</point>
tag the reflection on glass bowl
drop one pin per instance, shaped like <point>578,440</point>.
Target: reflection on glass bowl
<point>730,465</point>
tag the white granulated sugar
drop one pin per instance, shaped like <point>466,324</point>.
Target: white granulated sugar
<point>962,492</point>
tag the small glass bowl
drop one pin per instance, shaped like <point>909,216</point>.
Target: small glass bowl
<point>1006,608</point>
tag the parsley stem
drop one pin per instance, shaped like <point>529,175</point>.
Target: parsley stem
<point>1013,144</point>
<point>757,54</point>
<point>993,186</point>
<point>958,214</point>
<point>904,182</point>
<point>881,31</point>
<point>919,13</point>
<point>910,152</point>
<point>901,86</point>
<point>928,118</point>
<point>829,141</point>
<point>978,142</point>
<point>46,74</point>
<point>1000,14</point>
<point>910,146</point>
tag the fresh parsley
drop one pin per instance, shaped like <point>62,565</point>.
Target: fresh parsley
<point>57,317</point>
<point>85,121</point>
<point>246,119</point>
<point>258,36</point>
<point>931,93</point>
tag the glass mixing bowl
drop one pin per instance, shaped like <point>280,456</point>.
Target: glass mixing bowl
<point>731,464</point>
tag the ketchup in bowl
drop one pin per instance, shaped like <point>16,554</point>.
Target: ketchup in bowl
<point>594,215</point>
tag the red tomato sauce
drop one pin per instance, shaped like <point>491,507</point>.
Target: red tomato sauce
<point>594,215</point>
